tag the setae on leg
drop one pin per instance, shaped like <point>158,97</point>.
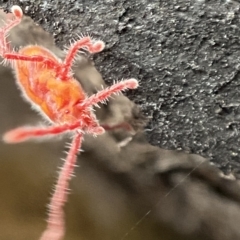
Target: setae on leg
<point>55,223</point>
<point>107,92</point>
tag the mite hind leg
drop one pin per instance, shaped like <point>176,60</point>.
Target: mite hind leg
<point>56,224</point>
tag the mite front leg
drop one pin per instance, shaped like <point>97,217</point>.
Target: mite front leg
<point>24,133</point>
<point>85,42</point>
<point>107,92</point>
<point>4,45</point>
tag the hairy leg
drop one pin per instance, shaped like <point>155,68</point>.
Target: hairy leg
<point>5,50</point>
<point>24,133</point>
<point>55,223</point>
<point>85,42</point>
<point>4,45</point>
<point>34,58</point>
<point>107,92</point>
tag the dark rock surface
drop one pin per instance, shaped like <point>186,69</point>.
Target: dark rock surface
<point>185,54</point>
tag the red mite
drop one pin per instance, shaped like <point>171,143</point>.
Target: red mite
<point>47,83</point>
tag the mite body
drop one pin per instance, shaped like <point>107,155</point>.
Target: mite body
<point>47,83</point>
<point>57,99</point>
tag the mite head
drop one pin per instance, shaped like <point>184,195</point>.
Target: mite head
<point>74,112</point>
<point>84,116</point>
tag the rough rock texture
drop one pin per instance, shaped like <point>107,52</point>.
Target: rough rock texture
<point>185,54</point>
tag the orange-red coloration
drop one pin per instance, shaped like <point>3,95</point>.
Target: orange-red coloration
<point>48,84</point>
<point>57,99</point>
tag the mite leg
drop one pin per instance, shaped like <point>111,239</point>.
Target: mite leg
<point>4,45</point>
<point>107,92</point>
<point>85,42</point>
<point>5,50</point>
<point>11,55</point>
<point>24,133</point>
<point>55,223</point>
